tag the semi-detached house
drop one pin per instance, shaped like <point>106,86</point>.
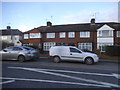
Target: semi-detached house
<point>90,36</point>
<point>11,36</point>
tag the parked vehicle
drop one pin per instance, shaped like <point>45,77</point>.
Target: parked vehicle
<point>20,53</point>
<point>71,53</point>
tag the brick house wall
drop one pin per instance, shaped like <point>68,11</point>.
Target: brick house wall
<point>116,39</point>
<point>77,28</point>
<point>31,41</point>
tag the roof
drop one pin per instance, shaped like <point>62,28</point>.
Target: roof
<point>78,27</point>
<point>10,32</point>
<point>68,28</point>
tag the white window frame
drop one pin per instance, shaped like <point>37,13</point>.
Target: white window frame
<point>48,45</point>
<point>71,34</point>
<point>84,34</point>
<point>86,45</point>
<point>118,34</point>
<point>4,37</point>
<point>110,33</point>
<point>62,34</point>
<point>26,36</point>
<point>50,35</point>
<point>35,35</point>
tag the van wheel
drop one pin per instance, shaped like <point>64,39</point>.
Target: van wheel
<point>21,58</point>
<point>89,60</point>
<point>56,59</point>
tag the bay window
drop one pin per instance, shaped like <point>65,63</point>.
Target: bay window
<point>35,35</point>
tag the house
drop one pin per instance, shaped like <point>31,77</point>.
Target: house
<point>90,36</point>
<point>11,36</point>
<point>108,34</point>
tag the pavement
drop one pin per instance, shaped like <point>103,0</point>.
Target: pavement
<point>110,60</point>
<point>100,60</point>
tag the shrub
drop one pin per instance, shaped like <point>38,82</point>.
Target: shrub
<point>6,44</point>
<point>86,50</point>
<point>113,50</point>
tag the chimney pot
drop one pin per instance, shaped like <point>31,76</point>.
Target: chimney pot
<point>8,27</point>
<point>93,21</point>
<point>49,23</point>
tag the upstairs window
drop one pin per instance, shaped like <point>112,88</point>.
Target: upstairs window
<point>85,34</point>
<point>118,33</point>
<point>71,34</point>
<point>35,35</point>
<point>105,33</point>
<point>26,36</point>
<point>62,34</point>
<point>50,35</point>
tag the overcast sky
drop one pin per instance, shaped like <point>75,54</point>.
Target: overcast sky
<point>28,15</point>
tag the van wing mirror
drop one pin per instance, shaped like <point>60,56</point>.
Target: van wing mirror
<point>80,52</point>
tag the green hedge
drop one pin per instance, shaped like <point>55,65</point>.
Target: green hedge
<point>6,44</point>
<point>113,50</point>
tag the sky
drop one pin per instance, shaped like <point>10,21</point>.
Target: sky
<point>28,15</point>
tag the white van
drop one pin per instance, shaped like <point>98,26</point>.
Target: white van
<point>60,53</point>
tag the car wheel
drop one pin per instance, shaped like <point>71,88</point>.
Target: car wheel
<point>21,58</point>
<point>89,61</point>
<point>56,59</point>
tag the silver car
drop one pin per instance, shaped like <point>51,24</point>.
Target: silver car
<point>20,53</point>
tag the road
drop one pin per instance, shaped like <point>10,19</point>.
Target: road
<point>44,73</point>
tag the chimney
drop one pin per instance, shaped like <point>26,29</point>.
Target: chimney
<point>93,21</point>
<point>49,23</point>
<point>8,27</point>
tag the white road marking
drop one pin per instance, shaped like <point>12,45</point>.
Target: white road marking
<point>75,72</point>
<point>116,75</point>
<point>10,81</point>
<point>67,76</point>
<point>52,81</point>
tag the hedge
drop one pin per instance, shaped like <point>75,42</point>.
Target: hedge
<point>113,50</point>
<point>6,44</point>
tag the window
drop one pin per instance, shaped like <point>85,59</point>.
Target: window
<point>4,37</point>
<point>84,34</point>
<point>62,34</point>
<point>48,45</point>
<point>84,46</point>
<point>105,33</point>
<point>71,34</point>
<point>35,35</point>
<point>26,36</point>
<point>50,35</point>
<point>118,33</point>
<point>74,50</point>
